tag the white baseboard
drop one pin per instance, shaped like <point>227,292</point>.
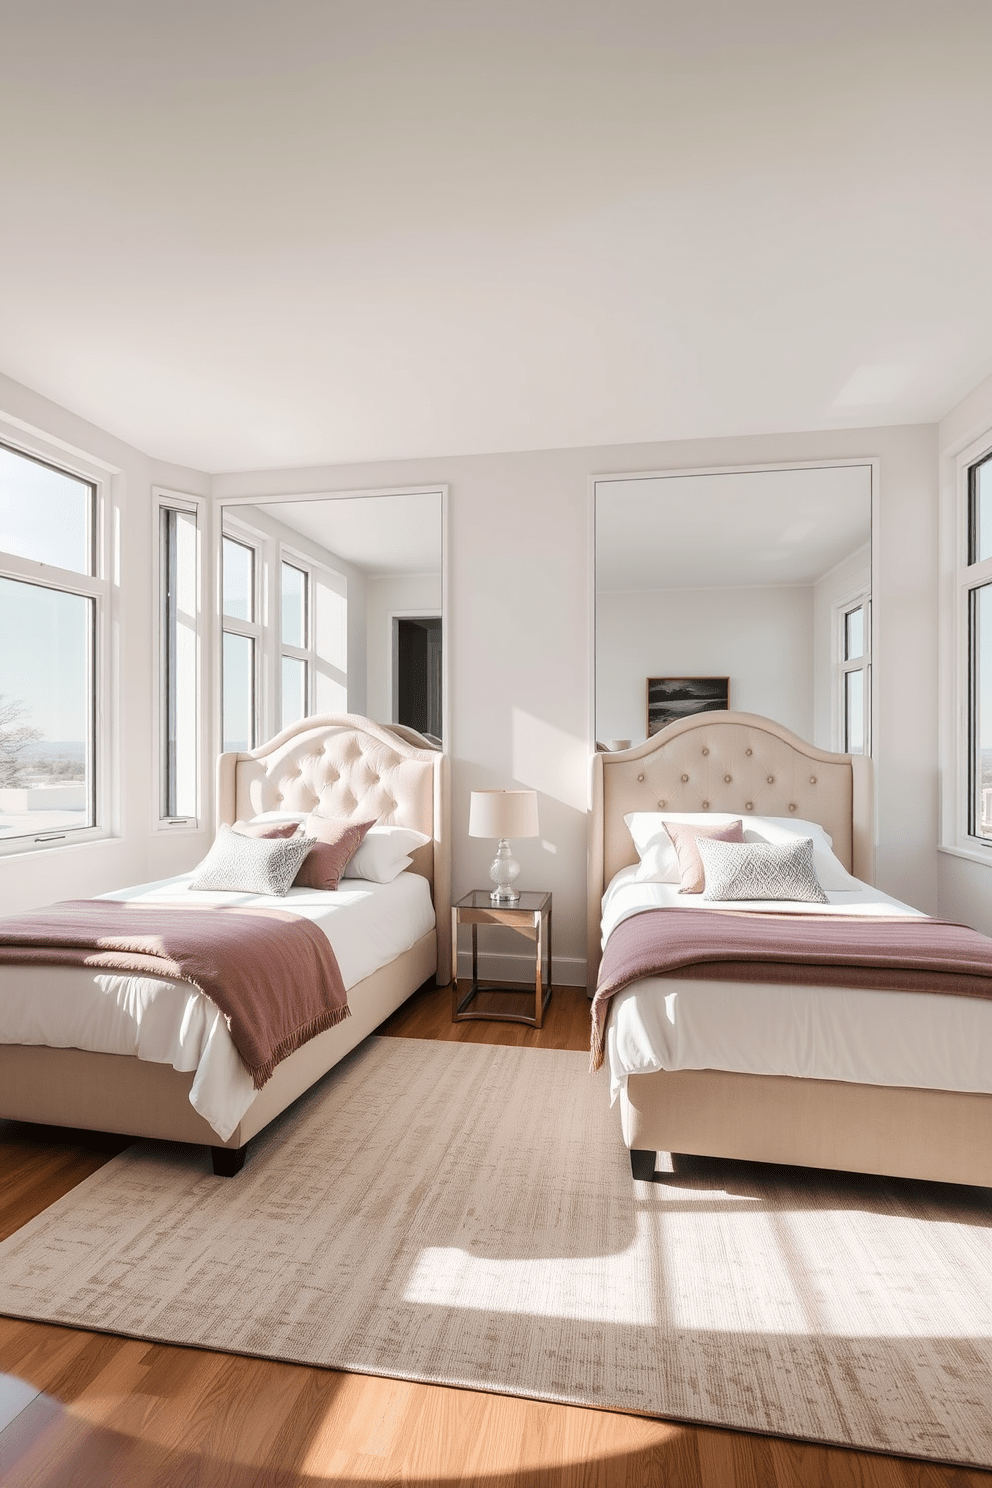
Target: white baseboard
<point>569,971</point>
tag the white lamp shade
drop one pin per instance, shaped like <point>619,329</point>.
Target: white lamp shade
<point>503,813</point>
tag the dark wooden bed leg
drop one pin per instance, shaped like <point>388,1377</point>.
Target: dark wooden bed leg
<point>228,1160</point>
<point>641,1164</point>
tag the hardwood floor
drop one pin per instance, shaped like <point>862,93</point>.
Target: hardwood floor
<point>119,1413</point>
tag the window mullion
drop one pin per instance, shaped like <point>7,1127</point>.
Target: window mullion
<point>974,631</point>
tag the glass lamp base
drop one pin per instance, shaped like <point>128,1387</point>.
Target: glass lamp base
<point>504,896</point>
<point>503,871</point>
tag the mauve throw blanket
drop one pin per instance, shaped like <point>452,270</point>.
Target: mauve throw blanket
<point>272,974</point>
<point>905,954</point>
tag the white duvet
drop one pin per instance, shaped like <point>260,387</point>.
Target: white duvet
<point>170,1022</point>
<point>919,1039</point>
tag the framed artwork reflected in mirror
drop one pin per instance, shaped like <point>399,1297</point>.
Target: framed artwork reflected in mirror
<point>672,698</point>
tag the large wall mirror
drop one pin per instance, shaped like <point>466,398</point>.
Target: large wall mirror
<point>745,589</point>
<point>332,604</point>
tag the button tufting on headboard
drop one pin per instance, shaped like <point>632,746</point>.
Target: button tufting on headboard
<point>750,765</point>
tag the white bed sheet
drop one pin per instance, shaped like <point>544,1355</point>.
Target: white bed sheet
<point>169,1022</point>
<point>925,1040</point>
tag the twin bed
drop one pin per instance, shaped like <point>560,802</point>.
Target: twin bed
<point>189,1085</point>
<point>884,1081</point>
<point>878,1081</point>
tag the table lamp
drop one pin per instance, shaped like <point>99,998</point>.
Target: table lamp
<point>503,814</point>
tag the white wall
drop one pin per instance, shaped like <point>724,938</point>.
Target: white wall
<point>388,595</point>
<point>848,578</point>
<point>762,639</point>
<point>519,637</point>
<point>138,851</point>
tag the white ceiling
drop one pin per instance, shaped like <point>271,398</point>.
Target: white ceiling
<point>734,530</point>
<point>396,534</point>
<point>243,234</point>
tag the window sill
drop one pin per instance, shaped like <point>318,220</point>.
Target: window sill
<point>20,847</point>
<point>973,854</point>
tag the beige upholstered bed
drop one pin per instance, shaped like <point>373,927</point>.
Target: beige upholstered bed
<point>351,768</point>
<point>741,763</point>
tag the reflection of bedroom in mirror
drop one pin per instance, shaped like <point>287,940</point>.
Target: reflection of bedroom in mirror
<point>331,604</point>
<point>762,577</point>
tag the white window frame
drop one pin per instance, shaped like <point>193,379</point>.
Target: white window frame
<point>256,629</point>
<point>964,578</point>
<point>308,653</point>
<point>166,499</point>
<point>102,587</point>
<point>842,666</point>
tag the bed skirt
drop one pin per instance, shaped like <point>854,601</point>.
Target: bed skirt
<point>939,1135</point>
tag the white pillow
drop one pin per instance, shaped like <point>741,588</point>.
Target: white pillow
<point>659,860</point>
<point>782,830</point>
<point>660,864</point>
<point>384,853</point>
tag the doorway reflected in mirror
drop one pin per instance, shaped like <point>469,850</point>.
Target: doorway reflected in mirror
<point>417,650</point>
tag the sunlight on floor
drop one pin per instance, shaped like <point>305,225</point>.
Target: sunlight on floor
<point>368,1432</point>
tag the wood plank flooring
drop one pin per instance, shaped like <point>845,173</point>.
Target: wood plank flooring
<point>115,1413</point>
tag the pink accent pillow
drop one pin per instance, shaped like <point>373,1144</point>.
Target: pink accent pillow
<point>684,837</point>
<point>266,829</point>
<point>337,842</point>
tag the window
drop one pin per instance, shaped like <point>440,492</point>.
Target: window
<point>53,601</point>
<point>285,635</point>
<point>313,640</point>
<point>294,642</point>
<point>242,635</point>
<point>179,662</point>
<point>854,651</point>
<point>978,590</point>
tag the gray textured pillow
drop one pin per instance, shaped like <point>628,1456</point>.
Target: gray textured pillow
<point>760,870</point>
<point>251,865</point>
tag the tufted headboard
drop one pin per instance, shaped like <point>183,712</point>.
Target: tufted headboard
<point>724,762</point>
<point>349,767</point>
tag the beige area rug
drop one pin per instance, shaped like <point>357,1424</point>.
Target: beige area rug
<point>465,1214</point>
